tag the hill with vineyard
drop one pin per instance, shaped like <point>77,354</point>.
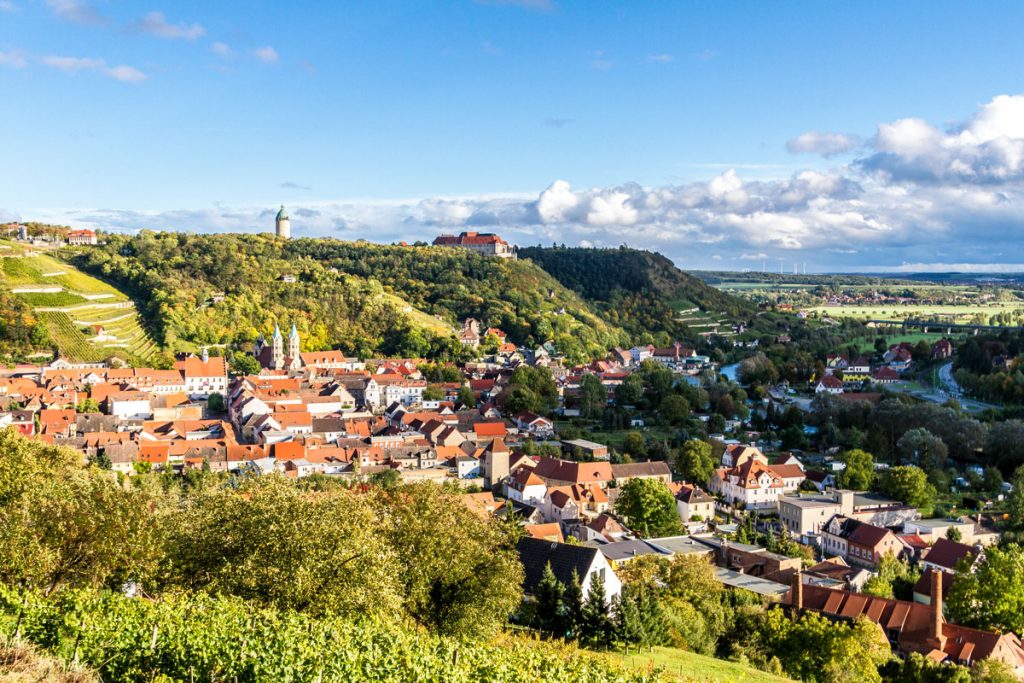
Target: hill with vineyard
<point>50,305</point>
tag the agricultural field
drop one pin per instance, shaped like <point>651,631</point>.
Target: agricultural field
<point>75,306</point>
<point>966,313</point>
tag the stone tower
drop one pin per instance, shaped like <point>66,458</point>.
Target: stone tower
<point>283,225</point>
<point>277,356</point>
<point>294,361</point>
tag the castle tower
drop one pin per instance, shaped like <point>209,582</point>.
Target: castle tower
<point>294,361</point>
<point>282,224</point>
<point>277,357</point>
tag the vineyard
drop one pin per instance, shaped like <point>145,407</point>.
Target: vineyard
<point>201,638</point>
<point>74,306</point>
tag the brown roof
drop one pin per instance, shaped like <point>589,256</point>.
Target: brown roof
<point>654,468</point>
<point>946,553</point>
<point>576,472</point>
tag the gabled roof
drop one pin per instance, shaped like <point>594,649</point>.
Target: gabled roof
<point>654,468</point>
<point>946,553</point>
<point>565,559</point>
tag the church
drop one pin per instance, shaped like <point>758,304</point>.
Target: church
<point>273,355</point>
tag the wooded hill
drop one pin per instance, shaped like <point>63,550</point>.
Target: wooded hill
<point>367,299</point>
<point>364,298</point>
<point>641,291</point>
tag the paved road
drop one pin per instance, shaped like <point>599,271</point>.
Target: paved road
<point>951,387</point>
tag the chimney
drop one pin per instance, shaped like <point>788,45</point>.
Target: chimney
<point>796,590</point>
<point>935,638</point>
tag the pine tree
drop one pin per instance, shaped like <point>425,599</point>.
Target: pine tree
<point>654,625</point>
<point>572,604</point>
<point>549,600</point>
<point>628,620</point>
<point>597,627</point>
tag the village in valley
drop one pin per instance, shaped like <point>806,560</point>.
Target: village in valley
<point>843,488</point>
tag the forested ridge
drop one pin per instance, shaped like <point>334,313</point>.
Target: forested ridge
<point>641,291</point>
<point>362,298</point>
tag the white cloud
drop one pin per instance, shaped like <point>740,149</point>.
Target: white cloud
<point>75,11</point>
<point>489,49</point>
<point>73,65</point>
<point>222,50</point>
<point>12,58</point>
<point>8,6</point>
<point>662,58</point>
<point>267,55</point>
<point>125,74</point>
<point>155,23</point>
<point>918,195</point>
<point>824,144</point>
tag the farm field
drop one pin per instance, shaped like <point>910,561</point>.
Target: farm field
<point>868,345</point>
<point>952,313</point>
<point>74,306</point>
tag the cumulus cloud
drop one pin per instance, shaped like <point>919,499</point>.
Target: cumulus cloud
<point>918,196</point>
<point>12,58</point>
<point>74,65</point>
<point>824,144</point>
<point>155,23</point>
<point>76,12</point>
<point>987,149</point>
<point>267,55</point>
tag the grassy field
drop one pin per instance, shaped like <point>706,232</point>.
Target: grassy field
<point>689,666</point>
<point>896,313</point>
<point>912,338</point>
<point>88,301</point>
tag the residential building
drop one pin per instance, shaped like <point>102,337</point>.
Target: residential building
<point>565,561</point>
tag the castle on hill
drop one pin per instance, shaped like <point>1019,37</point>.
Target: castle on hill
<point>485,243</point>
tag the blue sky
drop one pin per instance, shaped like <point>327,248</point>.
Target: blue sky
<point>850,136</point>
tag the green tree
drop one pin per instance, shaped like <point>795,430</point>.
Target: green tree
<point>460,572</point>
<point>467,398</point>
<point>694,463</point>
<point>630,391</point>
<point>215,403</point>
<point>1015,501</point>
<point>635,445</point>
<point>244,364</point>
<point>992,480</point>
<point>909,484</point>
<point>272,543</point>
<point>62,524</point>
<point>593,396</point>
<point>433,393</point>
<point>922,448</point>
<point>953,534</point>
<point>674,409</point>
<point>649,507</point>
<point>991,594</point>
<point>572,601</point>
<point>859,472</point>
<point>549,606</point>
<point>596,625</point>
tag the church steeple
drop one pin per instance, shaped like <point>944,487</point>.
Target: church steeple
<point>277,357</point>
<point>294,360</point>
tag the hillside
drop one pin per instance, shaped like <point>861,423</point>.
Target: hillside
<point>641,291</point>
<point>84,318</point>
<point>363,298</point>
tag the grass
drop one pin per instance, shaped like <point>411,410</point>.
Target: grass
<point>24,663</point>
<point>868,345</point>
<point>52,299</point>
<point>954,313</point>
<point>691,666</point>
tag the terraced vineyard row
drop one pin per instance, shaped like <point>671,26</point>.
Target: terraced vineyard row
<point>86,302</point>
